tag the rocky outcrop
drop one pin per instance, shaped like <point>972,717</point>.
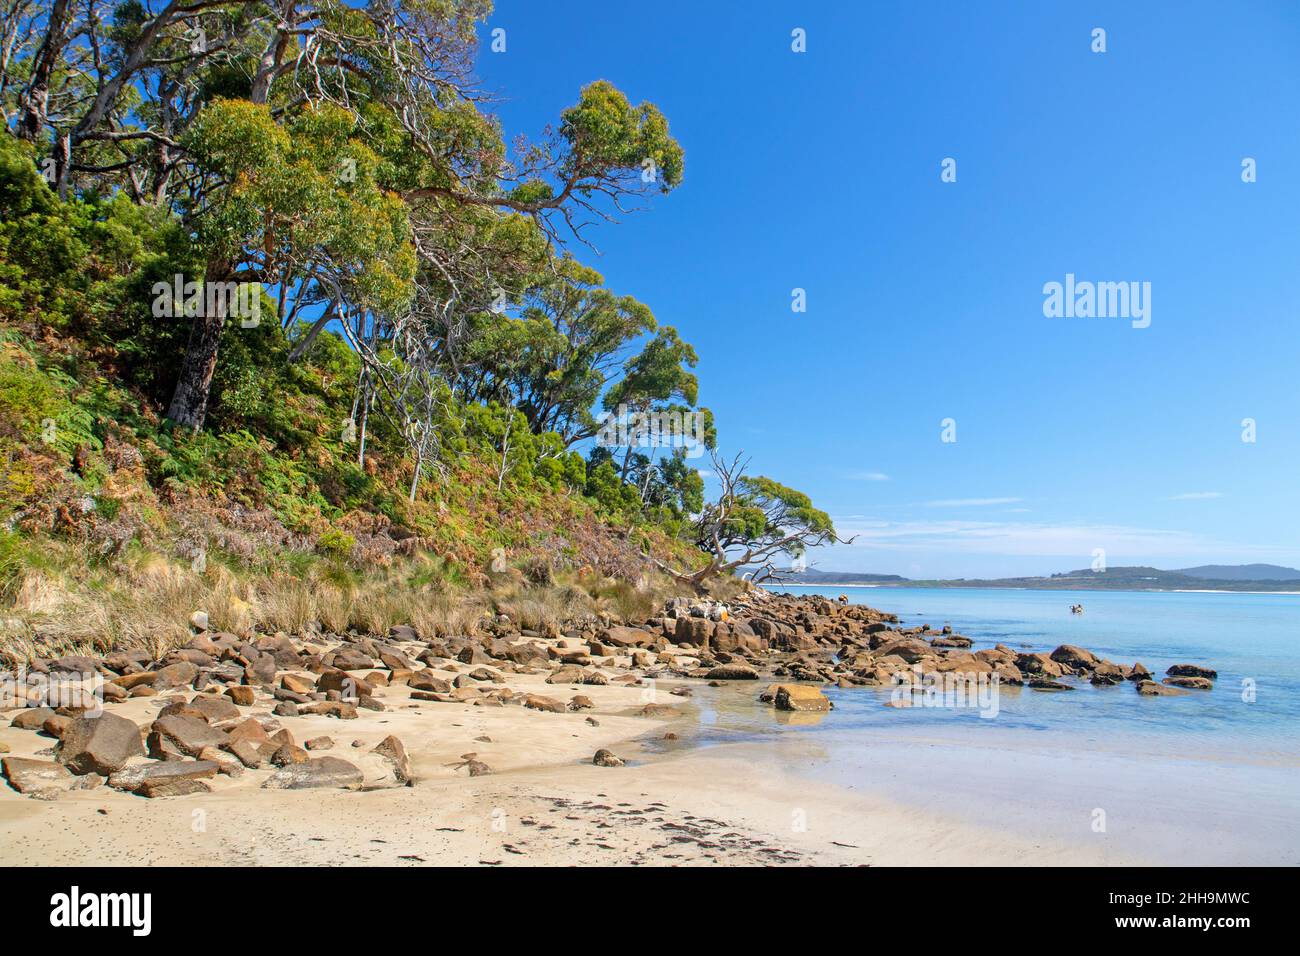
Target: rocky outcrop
<point>101,744</point>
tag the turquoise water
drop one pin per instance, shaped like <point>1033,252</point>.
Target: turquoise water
<point>1250,639</point>
<point>1212,777</point>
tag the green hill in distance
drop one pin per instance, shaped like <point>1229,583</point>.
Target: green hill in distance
<point>1214,577</point>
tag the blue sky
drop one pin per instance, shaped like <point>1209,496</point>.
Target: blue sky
<point>821,171</point>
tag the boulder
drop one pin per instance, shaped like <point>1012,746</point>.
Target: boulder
<point>288,754</point>
<point>165,779</point>
<point>249,729</point>
<point>226,764</point>
<point>426,681</point>
<point>217,709</point>
<point>32,718</point>
<point>1139,673</point>
<point>1192,683</point>
<point>604,758</point>
<point>732,672</point>
<point>1043,683</point>
<point>391,749</point>
<point>241,694</point>
<point>75,664</point>
<point>100,744</point>
<point>1074,657</point>
<point>799,697</point>
<point>330,772</point>
<point>1192,670</point>
<point>693,630</point>
<point>188,735</point>
<point>348,659</point>
<point>245,752</point>
<point>1149,688</point>
<point>659,711</point>
<point>330,708</point>
<point>36,776</point>
<point>625,637</point>
<point>180,674</point>
<point>297,683</point>
<point>1039,665</point>
<point>548,704</point>
<point>909,649</point>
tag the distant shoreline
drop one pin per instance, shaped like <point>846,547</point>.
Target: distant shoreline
<point>828,585</point>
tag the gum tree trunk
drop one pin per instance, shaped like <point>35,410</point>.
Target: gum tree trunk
<point>189,405</point>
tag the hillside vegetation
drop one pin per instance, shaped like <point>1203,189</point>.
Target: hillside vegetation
<point>301,343</point>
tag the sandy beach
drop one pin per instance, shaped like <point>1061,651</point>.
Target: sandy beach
<point>543,804</point>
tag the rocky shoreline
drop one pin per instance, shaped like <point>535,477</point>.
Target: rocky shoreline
<point>266,709</point>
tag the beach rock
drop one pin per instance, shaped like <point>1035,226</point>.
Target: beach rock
<point>188,735</point>
<point>425,681</point>
<point>245,752</point>
<point>319,743</point>
<point>55,725</point>
<point>1139,673</point>
<point>227,764</point>
<point>604,758</point>
<point>625,637</point>
<point>1074,657</point>
<point>75,664</point>
<point>799,697</point>
<point>391,749</point>
<point>287,754</point>
<point>32,718</point>
<point>297,683</point>
<point>35,776</point>
<point>250,730</point>
<point>732,672</point>
<point>243,695</point>
<point>320,772</point>
<point>216,709</point>
<point>568,674</point>
<point>1192,670</point>
<point>693,630</point>
<point>1039,665</point>
<point>1191,683</point>
<point>1106,673</point>
<point>330,708</point>
<point>1149,688</point>
<point>951,640</point>
<point>549,704</point>
<point>100,744</point>
<point>175,675</point>
<point>1042,683</point>
<point>165,779</point>
<point>909,650</point>
<point>395,661</point>
<point>477,768</point>
<point>580,702</point>
<point>658,711</point>
<point>347,659</point>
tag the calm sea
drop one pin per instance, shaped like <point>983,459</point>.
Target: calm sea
<point>1212,776</point>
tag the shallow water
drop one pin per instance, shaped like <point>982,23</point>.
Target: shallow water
<point>1209,777</point>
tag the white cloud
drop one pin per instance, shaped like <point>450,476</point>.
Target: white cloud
<point>1196,496</point>
<point>869,476</point>
<point>971,502</point>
